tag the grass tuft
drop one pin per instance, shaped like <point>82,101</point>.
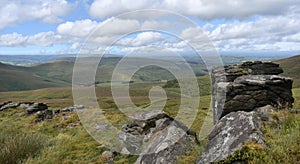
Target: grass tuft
<point>16,148</point>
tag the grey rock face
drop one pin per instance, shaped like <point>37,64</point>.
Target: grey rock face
<point>229,135</point>
<point>44,115</point>
<point>265,112</point>
<point>250,85</point>
<point>5,103</point>
<point>35,108</point>
<point>243,95</point>
<point>8,104</point>
<point>158,138</point>
<point>231,72</point>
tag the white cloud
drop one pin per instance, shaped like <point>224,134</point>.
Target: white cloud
<point>203,9</point>
<point>292,38</point>
<point>151,24</point>
<point>79,28</point>
<point>44,39</point>
<point>270,30</point>
<point>13,39</point>
<point>142,39</point>
<point>263,27</point>
<point>277,33</point>
<point>107,8</point>
<point>39,39</point>
<point>116,26</point>
<point>48,11</point>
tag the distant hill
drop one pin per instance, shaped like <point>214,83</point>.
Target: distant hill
<point>15,78</point>
<point>291,67</point>
<point>58,73</point>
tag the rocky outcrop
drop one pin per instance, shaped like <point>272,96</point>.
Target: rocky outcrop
<point>157,137</point>
<point>36,107</point>
<point>8,104</point>
<point>249,92</point>
<point>230,134</point>
<point>250,85</point>
<point>229,73</point>
<point>44,115</point>
<point>29,107</point>
<point>40,110</point>
<point>243,96</point>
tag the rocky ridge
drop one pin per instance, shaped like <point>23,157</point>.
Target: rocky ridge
<point>244,95</point>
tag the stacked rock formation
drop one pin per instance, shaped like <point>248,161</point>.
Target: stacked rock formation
<point>250,85</point>
<point>156,137</point>
<point>243,95</point>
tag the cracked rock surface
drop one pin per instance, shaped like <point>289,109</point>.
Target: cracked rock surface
<point>156,137</point>
<point>229,135</point>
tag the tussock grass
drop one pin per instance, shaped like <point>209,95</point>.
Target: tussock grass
<point>16,147</point>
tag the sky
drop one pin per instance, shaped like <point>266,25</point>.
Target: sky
<point>42,27</point>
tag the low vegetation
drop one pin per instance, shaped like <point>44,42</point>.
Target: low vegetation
<point>282,137</point>
<point>53,142</point>
<point>17,147</point>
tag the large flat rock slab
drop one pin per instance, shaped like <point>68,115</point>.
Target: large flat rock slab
<point>230,134</point>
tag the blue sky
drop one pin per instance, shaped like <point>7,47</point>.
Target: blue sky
<point>61,27</point>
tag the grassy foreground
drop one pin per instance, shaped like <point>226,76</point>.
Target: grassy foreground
<point>55,142</point>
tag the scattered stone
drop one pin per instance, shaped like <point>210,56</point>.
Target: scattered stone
<point>56,111</point>
<point>296,111</point>
<point>4,103</point>
<point>107,153</point>
<point>66,117</point>
<point>265,112</point>
<point>157,137</point>
<point>230,134</point>
<point>44,115</point>
<point>19,114</point>
<point>71,125</point>
<point>25,105</point>
<point>8,105</point>
<point>101,126</point>
<point>110,155</point>
<point>35,108</point>
<point>72,108</point>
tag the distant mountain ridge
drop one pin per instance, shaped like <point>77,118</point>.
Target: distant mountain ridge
<point>58,72</point>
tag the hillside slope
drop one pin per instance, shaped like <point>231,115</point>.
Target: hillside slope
<point>14,78</point>
<point>291,67</point>
<point>58,73</point>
